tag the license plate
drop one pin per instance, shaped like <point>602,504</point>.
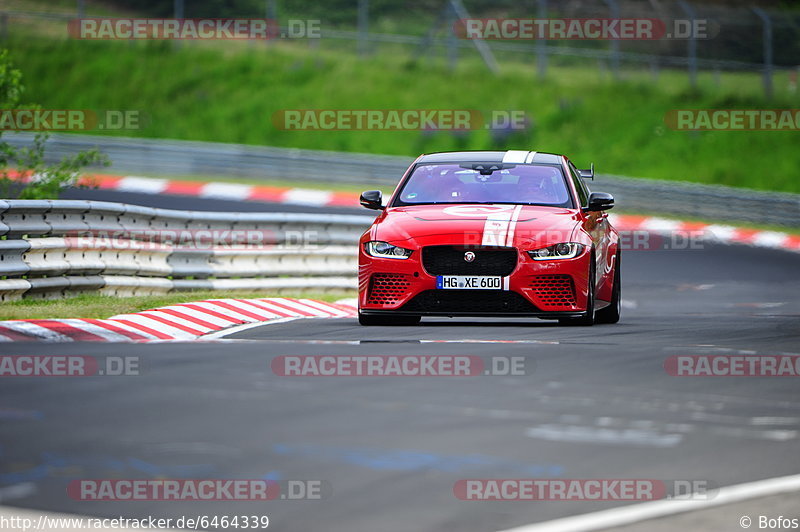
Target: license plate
<point>470,282</point>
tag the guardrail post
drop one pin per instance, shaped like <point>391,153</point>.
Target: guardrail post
<point>81,8</point>
<point>541,44</point>
<point>767,70</point>
<point>692,43</point>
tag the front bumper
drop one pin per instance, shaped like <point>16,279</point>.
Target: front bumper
<point>544,289</point>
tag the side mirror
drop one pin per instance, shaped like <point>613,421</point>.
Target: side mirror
<point>600,201</point>
<point>372,199</point>
<point>587,174</point>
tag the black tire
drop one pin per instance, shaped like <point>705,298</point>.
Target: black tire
<point>389,320</point>
<point>611,313</point>
<point>588,318</point>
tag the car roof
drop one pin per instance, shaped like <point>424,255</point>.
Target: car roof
<point>508,156</point>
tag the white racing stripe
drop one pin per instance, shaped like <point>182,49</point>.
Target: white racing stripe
<point>513,226</point>
<point>516,156</point>
<point>495,229</point>
<point>634,513</point>
<point>500,227</point>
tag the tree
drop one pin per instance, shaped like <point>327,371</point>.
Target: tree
<point>46,181</point>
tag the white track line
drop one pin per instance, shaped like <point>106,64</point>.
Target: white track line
<point>635,513</point>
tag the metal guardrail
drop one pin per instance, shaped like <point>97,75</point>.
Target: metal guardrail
<point>171,157</point>
<point>51,249</point>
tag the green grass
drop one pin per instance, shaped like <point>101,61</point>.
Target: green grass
<point>229,92</point>
<point>97,306</point>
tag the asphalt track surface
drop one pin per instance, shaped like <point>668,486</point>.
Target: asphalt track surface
<point>594,403</point>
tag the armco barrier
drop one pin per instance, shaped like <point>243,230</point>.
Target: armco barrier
<point>54,248</point>
<point>186,158</point>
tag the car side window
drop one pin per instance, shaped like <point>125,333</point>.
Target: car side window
<point>580,185</point>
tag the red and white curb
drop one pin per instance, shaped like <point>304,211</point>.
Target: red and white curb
<point>183,321</point>
<point>324,198</point>
<point>726,234</point>
<point>224,191</point>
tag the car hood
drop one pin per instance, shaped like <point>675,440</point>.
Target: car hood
<point>521,226</point>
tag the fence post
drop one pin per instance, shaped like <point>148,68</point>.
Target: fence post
<point>767,22</point>
<point>541,44</point>
<point>692,44</point>
<point>614,8</point>
<point>363,27</point>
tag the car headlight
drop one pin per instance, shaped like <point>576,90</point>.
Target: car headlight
<point>385,250</point>
<point>567,250</point>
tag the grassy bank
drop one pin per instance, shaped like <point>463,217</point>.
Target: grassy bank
<point>229,94</point>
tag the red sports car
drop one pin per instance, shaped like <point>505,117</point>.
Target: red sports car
<point>490,233</point>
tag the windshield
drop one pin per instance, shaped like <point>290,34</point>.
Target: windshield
<point>531,184</point>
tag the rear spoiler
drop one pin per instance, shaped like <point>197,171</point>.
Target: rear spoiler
<point>587,174</point>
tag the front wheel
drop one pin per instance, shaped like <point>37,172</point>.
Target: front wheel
<point>387,320</point>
